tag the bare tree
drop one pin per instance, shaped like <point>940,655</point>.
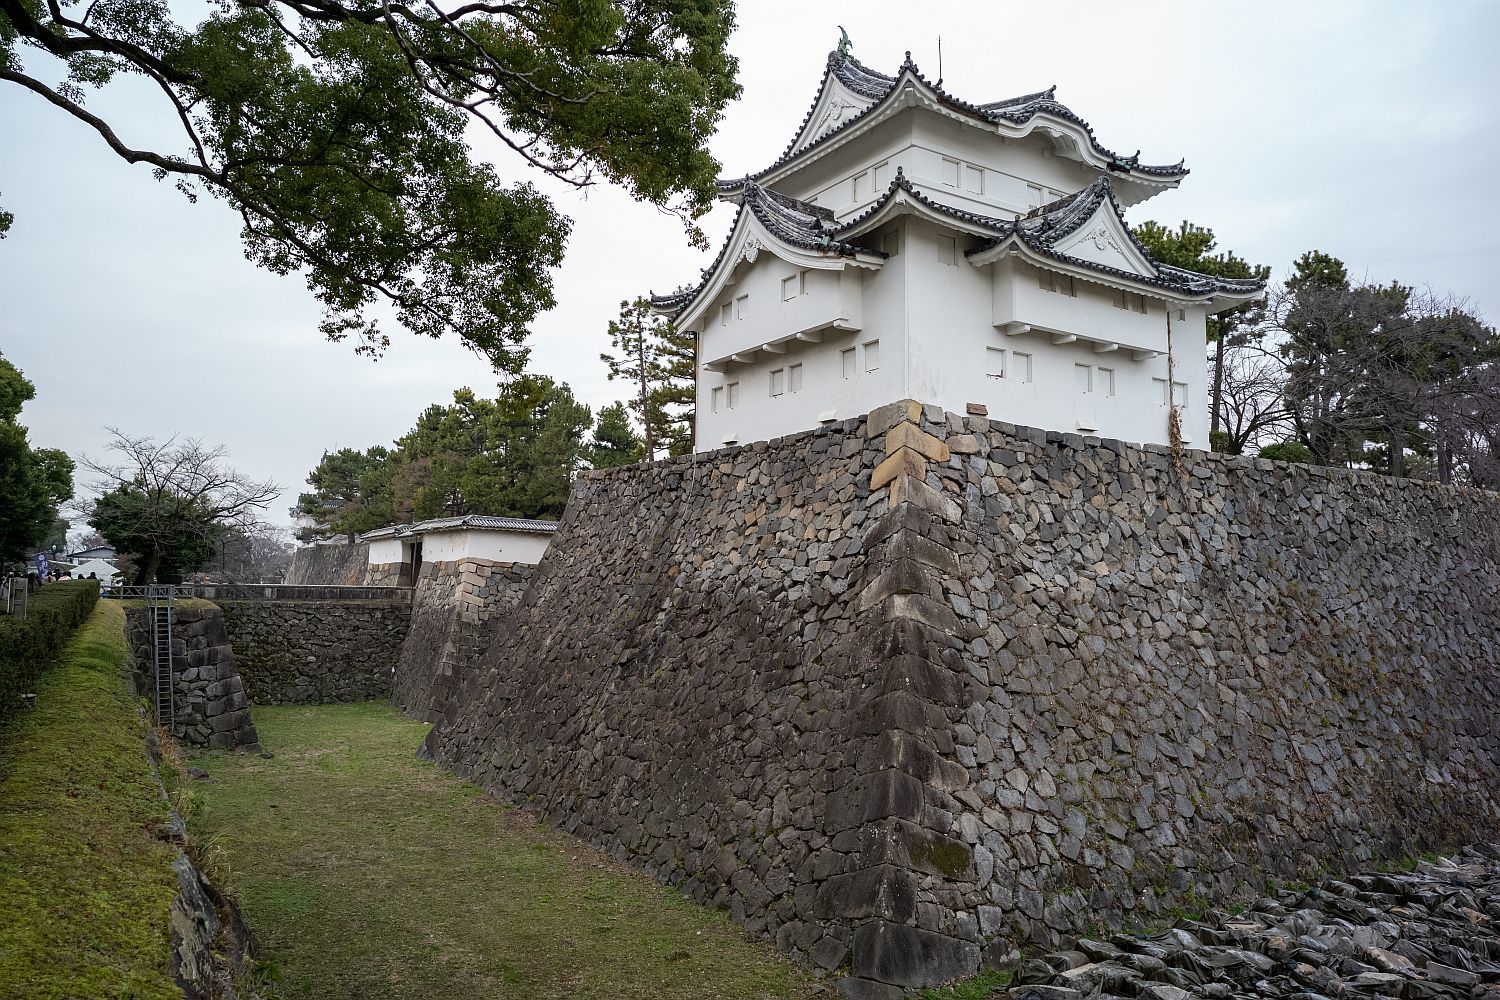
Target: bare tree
<point>168,503</point>
<point>1251,405</point>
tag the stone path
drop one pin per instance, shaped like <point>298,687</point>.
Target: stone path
<point>1433,933</point>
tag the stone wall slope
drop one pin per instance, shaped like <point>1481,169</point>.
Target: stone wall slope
<point>330,565</point>
<point>455,611</point>
<point>309,652</point>
<point>909,691</point>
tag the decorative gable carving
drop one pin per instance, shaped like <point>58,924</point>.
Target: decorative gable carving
<point>1103,240</point>
<point>836,105</point>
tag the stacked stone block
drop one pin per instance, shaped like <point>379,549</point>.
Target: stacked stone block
<point>211,707</point>
<point>330,565</point>
<point>455,613</point>
<point>316,652</point>
<point>911,692</point>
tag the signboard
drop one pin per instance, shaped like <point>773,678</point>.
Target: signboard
<point>42,565</point>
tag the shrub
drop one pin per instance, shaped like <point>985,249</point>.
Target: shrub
<point>1288,451</point>
<point>28,647</point>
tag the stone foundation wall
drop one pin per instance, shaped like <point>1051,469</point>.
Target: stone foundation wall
<point>909,692</point>
<point>455,614</point>
<point>211,709</point>
<point>315,652</point>
<point>330,565</point>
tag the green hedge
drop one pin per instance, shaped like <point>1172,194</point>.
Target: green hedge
<point>29,647</point>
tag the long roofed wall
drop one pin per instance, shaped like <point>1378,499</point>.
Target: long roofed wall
<point>907,692</point>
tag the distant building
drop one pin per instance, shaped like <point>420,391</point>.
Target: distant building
<point>909,244</point>
<point>105,552</point>
<point>455,539</point>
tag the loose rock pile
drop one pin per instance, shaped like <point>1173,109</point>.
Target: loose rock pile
<point>1432,933</point>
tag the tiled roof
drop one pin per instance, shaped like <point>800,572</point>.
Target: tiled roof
<point>811,227</point>
<point>796,223</point>
<point>875,86</point>
<point>483,522</point>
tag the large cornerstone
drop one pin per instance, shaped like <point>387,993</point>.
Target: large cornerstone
<point>910,691</point>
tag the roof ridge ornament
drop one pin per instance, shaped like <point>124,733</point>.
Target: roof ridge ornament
<point>844,43</point>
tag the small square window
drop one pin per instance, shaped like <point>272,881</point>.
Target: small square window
<point>994,362</point>
<point>947,249</point>
<point>1182,315</point>
<point>1036,196</point>
<point>1020,366</point>
<point>726,312</point>
<point>882,176</point>
<point>1106,381</point>
<point>731,395</point>
<point>1179,395</point>
<point>861,185</point>
<point>1160,387</point>
<point>718,398</point>
<point>973,179</point>
<point>794,378</point>
<point>950,172</point>
<point>1083,376</point>
<point>778,381</point>
<point>847,363</point>
<point>741,306</point>
<point>872,356</point>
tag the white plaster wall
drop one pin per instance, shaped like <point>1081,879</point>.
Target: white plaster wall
<point>758,313</point>
<point>475,543</point>
<point>934,321</point>
<point>917,142</point>
<point>825,392</point>
<point>385,550</point>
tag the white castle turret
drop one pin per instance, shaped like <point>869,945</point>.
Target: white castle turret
<point>910,245</point>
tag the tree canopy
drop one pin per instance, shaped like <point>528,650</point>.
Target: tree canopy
<point>511,456</point>
<point>34,482</point>
<point>336,130</point>
<point>168,504</point>
<point>659,362</point>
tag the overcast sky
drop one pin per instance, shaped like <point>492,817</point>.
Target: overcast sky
<point>1366,129</point>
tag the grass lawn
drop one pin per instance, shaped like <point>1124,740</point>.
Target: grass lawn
<point>368,873</point>
<point>85,884</point>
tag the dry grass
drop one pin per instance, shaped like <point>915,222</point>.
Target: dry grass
<point>368,873</point>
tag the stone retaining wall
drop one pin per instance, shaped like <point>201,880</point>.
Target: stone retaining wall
<point>330,565</point>
<point>314,652</point>
<point>455,614</point>
<point>211,709</point>
<point>909,692</point>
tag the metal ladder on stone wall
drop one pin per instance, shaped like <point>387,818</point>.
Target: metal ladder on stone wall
<point>163,674</point>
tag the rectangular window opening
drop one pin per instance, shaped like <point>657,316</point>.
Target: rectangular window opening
<point>950,172</point>
<point>947,247</point>
<point>741,306</point>
<point>725,312</point>
<point>778,381</point>
<point>872,356</point>
<point>1106,381</point>
<point>794,378</point>
<point>731,395</point>
<point>1160,387</point>
<point>1020,366</point>
<point>882,176</point>
<point>790,287</point>
<point>847,363</point>
<point>1083,376</point>
<point>973,179</point>
<point>718,398</point>
<point>994,362</point>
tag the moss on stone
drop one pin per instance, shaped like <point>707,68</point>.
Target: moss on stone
<point>949,857</point>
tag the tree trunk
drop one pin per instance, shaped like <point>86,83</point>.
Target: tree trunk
<point>1445,463</point>
<point>146,573</point>
<point>1397,440</point>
